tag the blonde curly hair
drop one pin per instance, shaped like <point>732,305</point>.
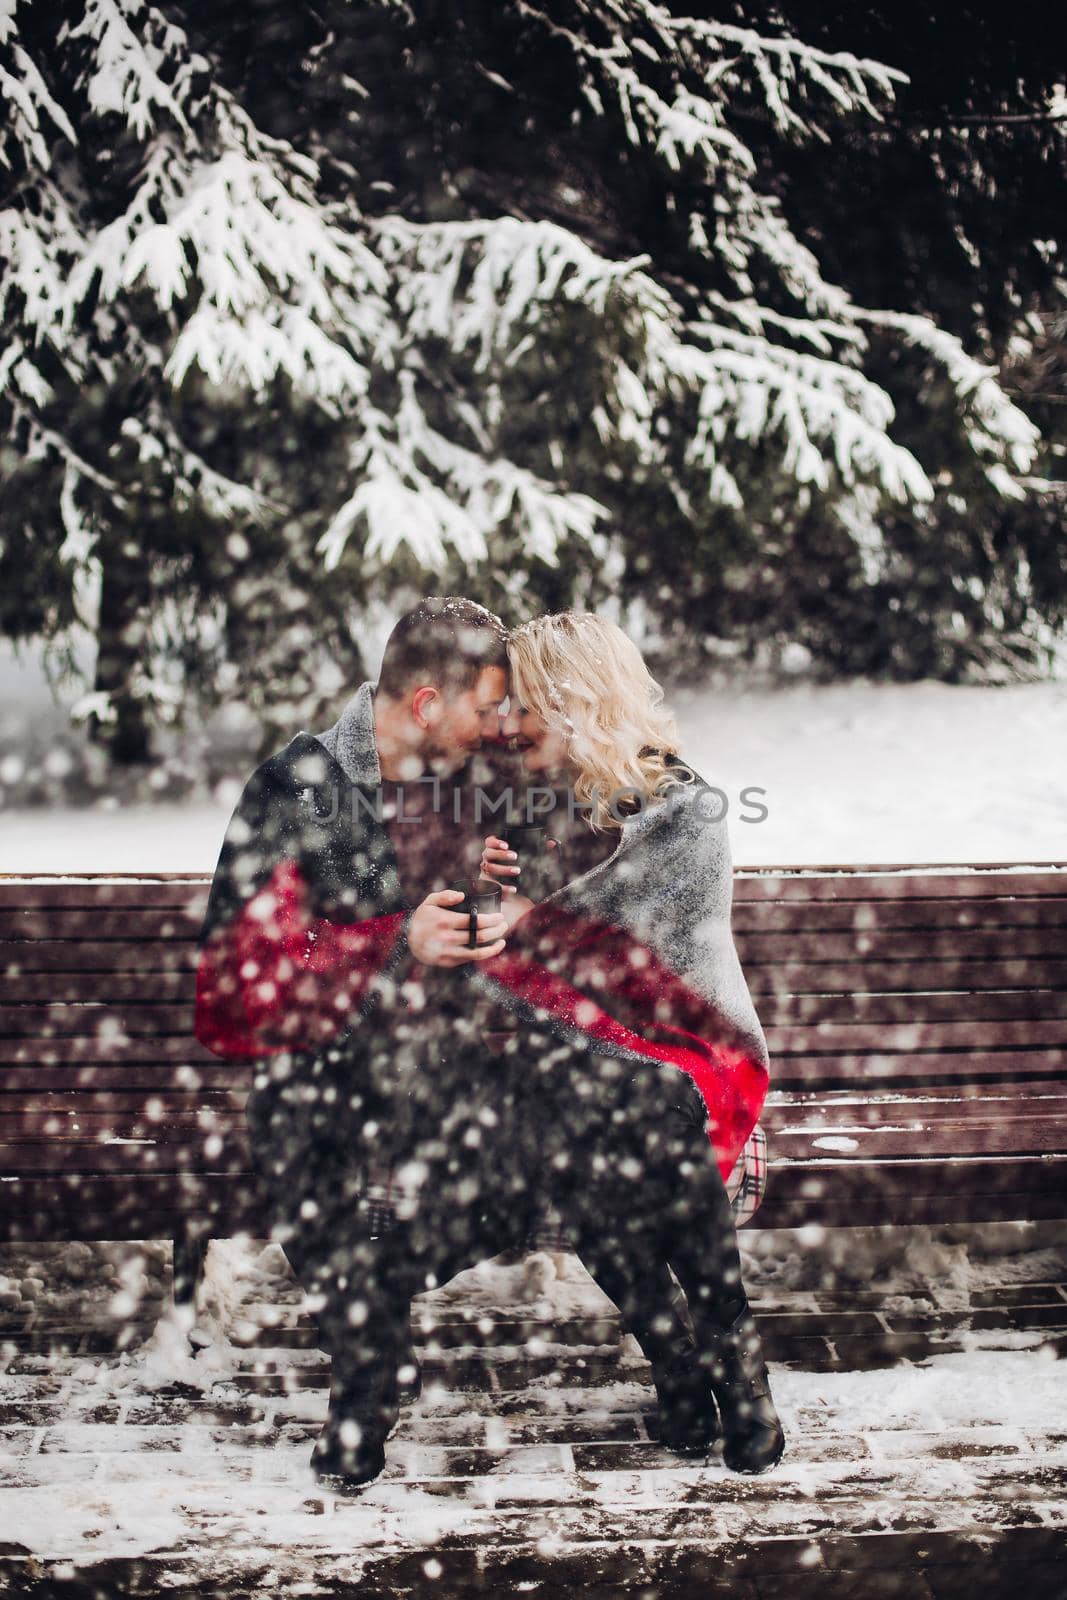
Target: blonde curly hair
<point>582,676</point>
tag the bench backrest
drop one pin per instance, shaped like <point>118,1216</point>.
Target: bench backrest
<point>917,1022</point>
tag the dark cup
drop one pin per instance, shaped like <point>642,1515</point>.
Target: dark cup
<point>520,836</point>
<point>541,868</point>
<point>479,900</point>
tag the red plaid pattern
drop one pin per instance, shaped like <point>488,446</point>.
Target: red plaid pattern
<point>390,1197</point>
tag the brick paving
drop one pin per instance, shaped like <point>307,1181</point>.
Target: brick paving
<point>530,1466</point>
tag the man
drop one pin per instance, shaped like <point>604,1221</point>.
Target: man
<point>320,947</point>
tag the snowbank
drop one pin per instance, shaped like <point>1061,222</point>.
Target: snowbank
<point>860,772</point>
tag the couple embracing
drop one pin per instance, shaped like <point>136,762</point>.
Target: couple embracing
<point>428,1082</point>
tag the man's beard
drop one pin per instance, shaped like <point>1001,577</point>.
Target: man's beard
<point>444,761</point>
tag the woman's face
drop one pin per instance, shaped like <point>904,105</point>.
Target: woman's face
<point>543,749</point>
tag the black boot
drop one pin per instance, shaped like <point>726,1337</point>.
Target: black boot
<point>688,1419</point>
<point>364,1405</point>
<point>732,1357</point>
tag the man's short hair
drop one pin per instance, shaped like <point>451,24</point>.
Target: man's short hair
<point>446,641</point>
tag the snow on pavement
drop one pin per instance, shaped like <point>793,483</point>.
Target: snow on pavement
<point>159,1450</point>
<point>925,1447</point>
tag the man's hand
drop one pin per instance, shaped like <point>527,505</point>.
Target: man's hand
<point>437,934</point>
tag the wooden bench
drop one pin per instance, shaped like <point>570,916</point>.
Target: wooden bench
<point>916,1018</point>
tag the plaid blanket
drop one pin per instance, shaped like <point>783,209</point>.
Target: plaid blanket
<point>303,942</point>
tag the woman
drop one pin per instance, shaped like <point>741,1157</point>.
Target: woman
<point>631,972</point>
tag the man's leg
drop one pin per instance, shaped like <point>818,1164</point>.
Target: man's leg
<point>469,1201</point>
<point>306,1143</point>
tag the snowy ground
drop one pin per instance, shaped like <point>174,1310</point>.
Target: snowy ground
<point>921,773</point>
<point>200,1462</point>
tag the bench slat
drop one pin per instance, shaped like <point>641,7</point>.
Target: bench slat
<point>90,1157</point>
<point>1013,1005</point>
<point>963,1175</point>
<point>46,1022</point>
<point>82,1205</point>
<point>750,919</point>
<point>126,1035</point>
<point>837,1038</point>
<point>77,1127</point>
<point>826,1106</point>
<point>70,988</point>
<point>901,977</point>
<point>898,945</point>
<point>901,886</point>
<point>880,1069</point>
<point>825,916</point>
<point>58,887</point>
<point>177,922</point>
<point>109,1021</point>
<point>97,955</point>
<point>19,895</point>
<point>952,1191</point>
<point>227,1208</point>
<point>865,902</point>
<point>1017,1137</point>
<point>207,1076</point>
<point>821,1060</point>
<point>853,920</point>
<point>67,912</point>
<point>785,1207</point>
<point>105,1182</point>
<point>815,978</point>
<point>91,1101</point>
<point>132,1048</point>
<point>99,1143</point>
<point>863,1100</point>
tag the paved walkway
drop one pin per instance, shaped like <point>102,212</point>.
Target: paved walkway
<point>530,1466</point>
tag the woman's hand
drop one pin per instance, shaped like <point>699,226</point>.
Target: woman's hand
<point>498,865</point>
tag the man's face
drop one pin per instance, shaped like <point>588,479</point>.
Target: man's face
<point>458,723</point>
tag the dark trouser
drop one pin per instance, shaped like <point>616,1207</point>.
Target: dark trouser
<point>626,1158</point>
<point>619,1147</point>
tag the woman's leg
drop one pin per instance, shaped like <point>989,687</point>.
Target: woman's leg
<point>641,1185</point>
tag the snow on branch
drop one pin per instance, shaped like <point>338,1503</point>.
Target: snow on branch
<point>495,287</point>
<point>850,83</point>
<point>27,97</point>
<point>156,439</point>
<point>1000,435</point>
<point>821,333</point>
<point>823,416</point>
<point>490,286</point>
<point>279,286</point>
<point>710,67</point>
<point>124,75</point>
<point>425,493</point>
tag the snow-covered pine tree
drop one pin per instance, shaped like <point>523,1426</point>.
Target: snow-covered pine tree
<point>501,296</point>
<point>948,206</point>
<point>172,284</point>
